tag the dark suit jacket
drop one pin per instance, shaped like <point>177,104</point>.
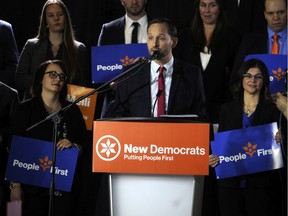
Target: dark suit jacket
<point>133,96</point>
<point>231,119</point>
<point>247,17</point>
<point>8,53</point>
<point>216,75</point>
<point>8,104</point>
<point>252,43</point>
<point>34,53</point>
<point>112,32</point>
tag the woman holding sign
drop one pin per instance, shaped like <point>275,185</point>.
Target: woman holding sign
<point>258,193</point>
<point>49,92</point>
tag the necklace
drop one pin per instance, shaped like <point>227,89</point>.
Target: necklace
<point>247,112</point>
<point>51,110</point>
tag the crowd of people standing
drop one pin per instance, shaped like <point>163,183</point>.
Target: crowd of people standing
<point>204,73</point>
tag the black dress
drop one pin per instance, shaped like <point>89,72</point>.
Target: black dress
<point>36,199</point>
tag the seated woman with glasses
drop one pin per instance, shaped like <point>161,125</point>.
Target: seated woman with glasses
<point>49,92</point>
<point>258,193</point>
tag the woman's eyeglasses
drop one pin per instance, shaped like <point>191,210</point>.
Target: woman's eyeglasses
<point>54,75</point>
<point>250,76</point>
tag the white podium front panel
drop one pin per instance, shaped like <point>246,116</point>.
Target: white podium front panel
<point>155,195</point>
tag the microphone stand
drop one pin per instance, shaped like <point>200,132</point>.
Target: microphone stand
<point>56,118</point>
<point>157,97</point>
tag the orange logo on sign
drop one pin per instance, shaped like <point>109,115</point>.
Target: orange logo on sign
<point>126,61</point>
<point>279,74</point>
<point>149,147</point>
<point>108,148</point>
<point>250,149</point>
<point>45,163</point>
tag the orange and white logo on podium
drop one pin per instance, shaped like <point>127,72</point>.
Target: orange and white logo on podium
<point>151,147</point>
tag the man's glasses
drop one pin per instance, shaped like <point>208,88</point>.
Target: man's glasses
<point>250,76</point>
<point>54,75</point>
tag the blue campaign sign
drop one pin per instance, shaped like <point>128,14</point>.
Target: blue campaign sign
<point>246,151</point>
<point>109,61</point>
<point>277,67</point>
<point>30,162</point>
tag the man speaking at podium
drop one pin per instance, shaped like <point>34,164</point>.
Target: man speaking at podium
<point>164,86</point>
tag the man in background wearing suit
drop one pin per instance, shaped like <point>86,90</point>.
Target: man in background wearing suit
<point>119,31</point>
<point>8,54</point>
<point>260,42</point>
<point>184,93</point>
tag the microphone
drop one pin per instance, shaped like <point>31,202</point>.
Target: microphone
<point>156,99</point>
<point>156,55</point>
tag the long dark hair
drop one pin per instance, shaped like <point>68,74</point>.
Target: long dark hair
<point>238,90</point>
<point>68,38</point>
<point>39,74</point>
<point>220,30</point>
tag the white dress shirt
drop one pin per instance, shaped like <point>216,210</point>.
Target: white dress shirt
<point>142,29</point>
<point>154,83</point>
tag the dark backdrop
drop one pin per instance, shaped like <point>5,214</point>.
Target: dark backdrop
<point>87,16</point>
<point>87,19</point>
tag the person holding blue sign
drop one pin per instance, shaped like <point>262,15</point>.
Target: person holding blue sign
<point>49,92</point>
<point>258,193</point>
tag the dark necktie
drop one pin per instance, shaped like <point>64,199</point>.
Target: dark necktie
<point>275,45</point>
<point>135,32</point>
<point>161,87</point>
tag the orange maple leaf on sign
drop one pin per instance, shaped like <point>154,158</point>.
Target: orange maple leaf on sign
<point>278,74</point>
<point>45,163</point>
<point>126,61</point>
<point>250,149</point>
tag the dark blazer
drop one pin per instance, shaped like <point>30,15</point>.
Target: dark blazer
<point>217,73</point>
<point>133,96</point>
<point>252,43</point>
<point>8,53</point>
<point>8,103</point>
<point>247,17</point>
<point>34,53</point>
<point>231,119</point>
<point>231,115</point>
<point>112,32</point>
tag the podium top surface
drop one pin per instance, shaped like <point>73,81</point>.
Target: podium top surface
<point>164,118</point>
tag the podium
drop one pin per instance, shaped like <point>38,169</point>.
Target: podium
<point>156,167</point>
